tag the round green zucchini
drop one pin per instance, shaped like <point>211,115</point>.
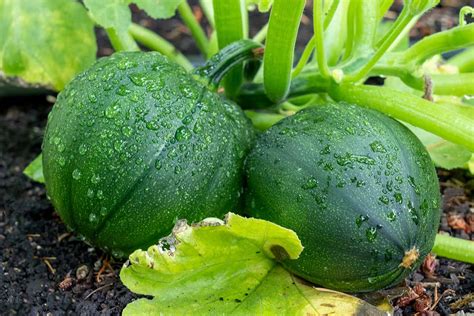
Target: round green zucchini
<point>357,187</point>
<point>135,143</point>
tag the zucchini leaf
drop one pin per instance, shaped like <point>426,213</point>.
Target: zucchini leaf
<point>221,268</point>
<point>43,44</point>
<point>443,153</point>
<point>34,170</point>
<point>116,14</point>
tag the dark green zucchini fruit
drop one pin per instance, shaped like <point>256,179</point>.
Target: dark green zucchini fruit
<point>135,143</point>
<point>357,187</point>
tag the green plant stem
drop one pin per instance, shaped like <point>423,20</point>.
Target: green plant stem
<point>197,32</point>
<point>230,19</point>
<point>304,57</point>
<point>454,248</point>
<point>155,42</point>
<point>319,34</point>
<point>261,34</point>
<point>365,19</point>
<point>208,10</point>
<point>453,39</point>
<point>439,119</point>
<point>252,95</point>
<point>330,13</point>
<point>229,57</point>
<point>263,120</point>
<point>464,60</point>
<point>442,84</point>
<point>121,42</point>
<point>385,45</point>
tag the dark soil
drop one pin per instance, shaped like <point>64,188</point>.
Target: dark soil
<point>45,270</point>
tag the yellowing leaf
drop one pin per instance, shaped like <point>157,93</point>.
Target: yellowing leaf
<point>231,267</point>
<point>44,42</point>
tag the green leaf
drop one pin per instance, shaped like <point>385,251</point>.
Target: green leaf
<point>230,267</point>
<point>44,42</point>
<point>116,13</point>
<point>443,153</point>
<point>34,170</point>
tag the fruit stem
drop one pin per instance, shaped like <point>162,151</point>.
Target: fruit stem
<point>454,248</point>
<point>227,58</point>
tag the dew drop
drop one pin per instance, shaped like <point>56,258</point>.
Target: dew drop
<point>391,216</point>
<point>310,184</point>
<point>100,194</point>
<point>62,161</point>
<point>90,193</point>
<point>183,133</point>
<point>371,234</point>
<point>377,147</point>
<point>93,218</point>
<point>359,220</point>
<point>82,149</point>
<point>384,199</point>
<point>76,174</point>
<point>103,211</point>
<point>95,178</point>
<point>138,79</point>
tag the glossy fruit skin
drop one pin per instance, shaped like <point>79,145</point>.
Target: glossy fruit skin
<point>357,187</point>
<point>135,143</point>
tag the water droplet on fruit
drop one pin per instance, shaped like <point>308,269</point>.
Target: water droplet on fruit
<point>326,150</point>
<point>377,147</point>
<point>183,133</point>
<point>90,193</point>
<point>398,197</point>
<point>92,97</point>
<point>384,199</point>
<point>100,194</point>
<point>411,181</point>
<point>103,211</point>
<point>413,214</point>
<point>123,90</point>
<point>391,216</point>
<point>93,218</point>
<point>82,149</point>
<point>138,79</point>
<point>359,220</point>
<point>112,111</point>
<point>76,174</point>
<point>371,234</point>
<point>158,164</point>
<point>61,147</point>
<point>310,184</point>
<point>62,161</point>
<point>127,131</point>
<point>95,178</point>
